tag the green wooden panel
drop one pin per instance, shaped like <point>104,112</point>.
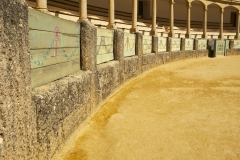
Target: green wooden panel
<point>129,44</point>
<point>43,39</point>
<point>227,44</point>
<point>236,44</point>
<point>41,76</point>
<point>189,44</point>
<point>162,44</point>
<point>147,44</point>
<point>42,21</point>
<point>101,58</point>
<point>44,57</point>
<point>176,42</point>
<point>202,44</point>
<point>220,47</point>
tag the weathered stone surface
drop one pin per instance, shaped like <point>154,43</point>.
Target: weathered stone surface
<point>148,61</point>
<point>139,50</point>
<point>131,68</point>
<point>57,104</point>
<point>118,50</point>
<point>17,116</point>
<point>107,80</point>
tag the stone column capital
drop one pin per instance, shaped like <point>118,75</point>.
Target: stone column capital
<point>221,10</point>
<point>171,2</point>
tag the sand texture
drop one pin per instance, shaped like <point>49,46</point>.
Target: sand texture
<point>188,109</point>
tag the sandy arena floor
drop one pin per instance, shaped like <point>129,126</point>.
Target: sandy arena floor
<point>183,110</point>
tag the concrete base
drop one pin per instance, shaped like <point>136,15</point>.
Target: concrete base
<point>204,36</point>
<point>220,36</point>
<point>188,35</point>
<point>111,26</point>
<point>153,33</point>
<point>171,34</point>
<point>134,30</point>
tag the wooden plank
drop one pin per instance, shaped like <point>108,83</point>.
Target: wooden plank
<point>129,44</point>
<point>176,44</point>
<point>236,44</point>
<point>104,58</point>
<point>41,76</point>
<point>42,21</point>
<point>147,44</point>
<point>104,44</point>
<point>202,44</point>
<point>162,44</point>
<point>189,44</point>
<point>44,57</point>
<point>42,39</point>
<point>219,47</point>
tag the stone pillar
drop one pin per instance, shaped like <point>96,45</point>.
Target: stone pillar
<point>182,47</point>
<point>41,5</point>
<point>88,57</point>
<point>18,135</point>
<point>188,35</point>
<point>237,25</point>
<point>134,28</point>
<point>118,51</point>
<point>221,24</point>
<point>154,19</point>
<point>111,10</point>
<point>139,50</point>
<point>83,10</point>
<point>169,44</point>
<point>204,35</point>
<point>154,44</point>
<point>171,32</point>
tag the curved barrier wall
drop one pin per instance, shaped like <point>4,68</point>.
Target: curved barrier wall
<point>36,122</point>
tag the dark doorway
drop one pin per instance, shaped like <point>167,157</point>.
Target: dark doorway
<point>233,19</point>
<point>140,8</point>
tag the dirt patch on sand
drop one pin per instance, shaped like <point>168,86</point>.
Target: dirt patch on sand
<point>183,110</point>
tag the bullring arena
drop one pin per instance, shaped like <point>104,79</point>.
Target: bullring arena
<point>119,79</point>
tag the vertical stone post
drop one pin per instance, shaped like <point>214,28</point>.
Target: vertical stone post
<point>188,35</point>
<point>111,10</point>
<point>154,18</point>
<point>83,10</point>
<point>237,25</point>
<point>118,51</point>
<point>169,44</point>
<point>88,56</point>
<point>195,47</point>
<point>182,47</point>
<point>231,45</point>
<point>204,35</point>
<point>154,44</point>
<point>221,24</point>
<point>139,50</point>
<point>18,137</point>
<point>171,32</point>
<point>41,5</point>
<point>134,28</point>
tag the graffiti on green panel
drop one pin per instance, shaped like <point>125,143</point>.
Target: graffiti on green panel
<point>147,44</point>
<point>129,44</point>
<point>202,44</point>
<point>176,42</point>
<point>220,47</point>
<point>162,44</point>
<point>104,45</point>
<point>189,44</point>
<point>236,44</point>
<point>47,48</point>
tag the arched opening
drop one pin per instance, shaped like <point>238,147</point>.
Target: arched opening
<point>197,19</point>
<point>213,20</point>
<point>180,18</point>
<point>230,22</point>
